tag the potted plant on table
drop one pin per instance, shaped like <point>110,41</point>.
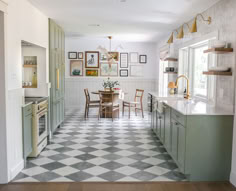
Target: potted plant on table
<point>109,85</point>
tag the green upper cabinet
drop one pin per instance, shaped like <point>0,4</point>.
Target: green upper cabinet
<point>56,74</point>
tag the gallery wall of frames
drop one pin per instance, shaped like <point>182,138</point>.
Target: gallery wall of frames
<point>95,64</point>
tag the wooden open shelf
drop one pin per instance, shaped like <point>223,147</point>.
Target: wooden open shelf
<point>218,73</point>
<point>219,50</point>
<point>170,72</point>
<point>30,66</point>
<point>29,86</point>
<point>170,59</point>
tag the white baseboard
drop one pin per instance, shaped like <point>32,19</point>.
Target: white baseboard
<point>233,178</point>
<point>16,170</point>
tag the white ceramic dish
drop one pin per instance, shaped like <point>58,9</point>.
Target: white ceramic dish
<point>219,69</point>
<point>218,44</point>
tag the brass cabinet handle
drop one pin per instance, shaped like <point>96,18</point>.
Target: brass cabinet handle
<point>58,78</point>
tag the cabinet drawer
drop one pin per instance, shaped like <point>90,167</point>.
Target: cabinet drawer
<point>178,117</point>
<point>27,110</point>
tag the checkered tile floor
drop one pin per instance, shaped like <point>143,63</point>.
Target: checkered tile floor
<point>92,150</point>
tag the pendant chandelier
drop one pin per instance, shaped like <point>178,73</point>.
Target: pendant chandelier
<point>107,53</point>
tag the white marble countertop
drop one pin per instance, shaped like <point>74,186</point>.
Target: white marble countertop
<point>190,107</point>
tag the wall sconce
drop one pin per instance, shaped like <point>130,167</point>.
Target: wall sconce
<point>193,29</point>
<point>171,39</point>
<point>181,33</point>
<point>194,26</point>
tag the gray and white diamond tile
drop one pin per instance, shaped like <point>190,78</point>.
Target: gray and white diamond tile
<point>100,151</point>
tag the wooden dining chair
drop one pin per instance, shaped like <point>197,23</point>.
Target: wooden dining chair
<point>137,103</point>
<point>107,104</point>
<point>89,103</point>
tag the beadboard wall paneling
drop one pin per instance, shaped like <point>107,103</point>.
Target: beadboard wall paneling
<point>74,89</point>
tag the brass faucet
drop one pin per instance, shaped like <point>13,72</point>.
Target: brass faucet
<point>187,96</point>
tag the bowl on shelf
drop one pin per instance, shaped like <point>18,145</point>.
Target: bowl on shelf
<point>219,69</point>
<point>218,44</point>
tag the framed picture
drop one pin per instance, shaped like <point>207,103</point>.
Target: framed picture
<point>72,55</point>
<point>103,57</point>
<point>92,73</point>
<point>80,55</point>
<point>105,70</point>
<point>76,67</point>
<point>92,59</point>
<point>124,63</point>
<point>124,73</point>
<point>133,57</point>
<point>143,59</point>
<point>136,70</point>
<point>114,55</point>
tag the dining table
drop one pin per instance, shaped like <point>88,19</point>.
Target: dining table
<point>118,96</point>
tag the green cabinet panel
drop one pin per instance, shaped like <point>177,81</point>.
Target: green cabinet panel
<point>162,128</point>
<point>167,126</point>
<point>27,130</point>
<point>181,147</point>
<point>57,74</point>
<point>174,140</point>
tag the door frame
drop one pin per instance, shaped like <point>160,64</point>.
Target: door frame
<point>3,95</point>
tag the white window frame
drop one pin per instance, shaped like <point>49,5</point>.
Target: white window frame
<point>212,61</point>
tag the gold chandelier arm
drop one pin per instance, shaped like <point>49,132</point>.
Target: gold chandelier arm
<point>206,20</point>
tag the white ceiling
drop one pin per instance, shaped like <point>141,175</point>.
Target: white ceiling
<point>133,20</point>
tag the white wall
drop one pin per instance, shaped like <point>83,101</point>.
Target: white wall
<point>75,85</point>
<point>42,89</point>
<point>3,95</point>
<point>24,22</point>
<point>223,20</point>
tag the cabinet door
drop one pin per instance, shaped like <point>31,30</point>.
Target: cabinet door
<point>181,147</point>
<point>162,128</point>
<point>158,124</point>
<point>167,124</point>
<point>27,135</point>
<point>174,140</point>
<point>57,74</point>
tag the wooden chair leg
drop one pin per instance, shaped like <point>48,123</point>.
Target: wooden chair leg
<point>99,111</point>
<point>142,109</point>
<point>85,112</point>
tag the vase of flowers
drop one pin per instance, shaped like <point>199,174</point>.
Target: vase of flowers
<point>109,85</point>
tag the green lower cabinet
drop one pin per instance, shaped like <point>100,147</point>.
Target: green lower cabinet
<point>181,147</point>
<point>174,141</point>
<point>201,146</point>
<point>27,125</point>
<point>167,126</point>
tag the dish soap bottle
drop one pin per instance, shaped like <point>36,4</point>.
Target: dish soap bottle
<point>34,80</point>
